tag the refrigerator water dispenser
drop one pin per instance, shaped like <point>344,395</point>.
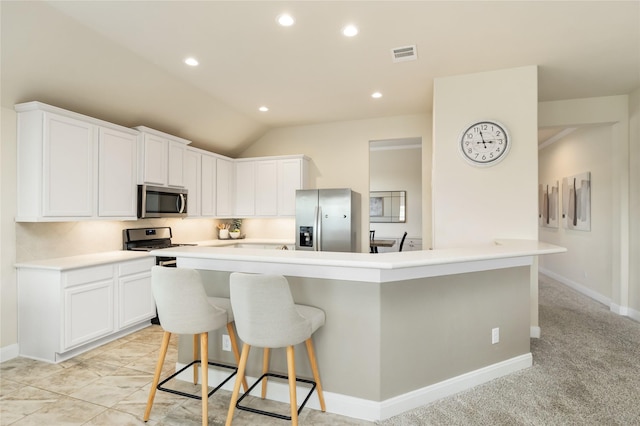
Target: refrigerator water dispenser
<point>306,236</point>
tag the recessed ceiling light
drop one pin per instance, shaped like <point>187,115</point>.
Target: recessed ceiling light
<point>350,31</point>
<point>286,20</point>
<point>191,61</point>
<point>376,95</point>
<point>263,109</point>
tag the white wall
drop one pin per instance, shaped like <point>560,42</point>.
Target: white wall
<point>612,111</point>
<point>634,192</point>
<point>8,291</point>
<point>399,169</point>
<point>473,205</point>
<point>587,261</point>
<point>339,154</point>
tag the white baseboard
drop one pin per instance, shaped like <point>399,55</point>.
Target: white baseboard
<point>363,409</point>
<point>613,307</point>
<point>534,332</point>
<point>634,315</point>
<point>9,352</point>
<point>577,287</point>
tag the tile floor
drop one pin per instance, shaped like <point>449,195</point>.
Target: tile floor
<point>109,386</point>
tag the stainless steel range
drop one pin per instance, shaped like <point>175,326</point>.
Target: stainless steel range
<point>147,239</point>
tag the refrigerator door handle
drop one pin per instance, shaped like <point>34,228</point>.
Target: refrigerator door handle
<point>318,229</point>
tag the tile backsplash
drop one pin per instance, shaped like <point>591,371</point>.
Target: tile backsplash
<point>48,240</point>
<point>36,241</point>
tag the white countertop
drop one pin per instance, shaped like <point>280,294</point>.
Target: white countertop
<point>380,267</point>
<point>94,259</point>
<point>84,260</point>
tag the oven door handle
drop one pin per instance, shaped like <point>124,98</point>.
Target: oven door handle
<point>168,263</point>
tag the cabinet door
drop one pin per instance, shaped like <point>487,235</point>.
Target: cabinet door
<point>116,174</point>
<point>88,312</point>
<point>224,188</point>
<point>266,188</point>
<point>135,300</point>
<point>208,184</point>
<point>290,178</point>
<point>192,179</point>
<point>68,167</point>
<point>154,152</point>
<point>176,163</point>
<point>245,188</point>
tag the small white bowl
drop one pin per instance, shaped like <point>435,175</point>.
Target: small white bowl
<point>234,235</point>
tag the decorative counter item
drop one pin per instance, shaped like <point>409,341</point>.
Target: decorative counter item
<point>223,231</point>
<point>235,228</point>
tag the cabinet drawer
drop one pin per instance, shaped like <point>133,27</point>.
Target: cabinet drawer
<point>88,275</point>
<point>136,266</point>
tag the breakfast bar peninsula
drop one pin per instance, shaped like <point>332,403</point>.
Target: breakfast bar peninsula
<point>402,329</point>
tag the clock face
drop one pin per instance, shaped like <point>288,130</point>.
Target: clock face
<point>484,143</point>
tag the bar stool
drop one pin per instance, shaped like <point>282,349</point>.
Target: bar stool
<point>184,308</point>
<point>267,317</point>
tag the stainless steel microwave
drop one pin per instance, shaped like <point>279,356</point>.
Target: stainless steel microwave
<point>158,201</point>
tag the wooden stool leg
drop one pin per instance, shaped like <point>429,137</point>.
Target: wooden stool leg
<point>156,376</point>
<point>204,357</point>
<point>314,369</point>
<point>291,371</point>
<point>236,352</point>
<point>195,356</point>
<point>265,368</point>
<point>242,365</point>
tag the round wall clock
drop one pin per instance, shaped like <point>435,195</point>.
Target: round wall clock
<point>485,143</point>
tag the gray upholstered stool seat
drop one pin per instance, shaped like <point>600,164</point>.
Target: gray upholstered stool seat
<point>267,317</point>
<point>184,308</point>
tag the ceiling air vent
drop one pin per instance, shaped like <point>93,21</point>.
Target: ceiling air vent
<point>404,53</point>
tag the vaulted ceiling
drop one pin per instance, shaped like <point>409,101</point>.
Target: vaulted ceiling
<point>122,61</point>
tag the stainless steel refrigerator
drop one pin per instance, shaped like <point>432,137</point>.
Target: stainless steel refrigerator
<point>328,220</point>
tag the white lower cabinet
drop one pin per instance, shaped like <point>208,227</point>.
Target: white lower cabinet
<point>62,313</point>
<point>135,298</point>
<point>88,313</point>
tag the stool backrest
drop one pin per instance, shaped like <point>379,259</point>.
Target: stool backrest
<point>264,311</point>
<point>182,303</point>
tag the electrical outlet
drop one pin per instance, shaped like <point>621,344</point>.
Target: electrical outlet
<point>226,342</point>
<point>495,335</point>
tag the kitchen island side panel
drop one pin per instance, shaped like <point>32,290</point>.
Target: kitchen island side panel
<point>383,340</point>
<point>437,328</point>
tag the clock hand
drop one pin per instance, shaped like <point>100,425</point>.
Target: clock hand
<point>483,141</point>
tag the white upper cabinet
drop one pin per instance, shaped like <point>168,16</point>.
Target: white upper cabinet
<point>208,185</point>
<point>192,181</point>
<point>153,159</point>
<point>224,187</point>
<point>266,186</point>
<point>245,188</point>
<point>67,166</point>
<point>176,162</point>
<point>292,175</point>
<point>266,195</point>
<point>117,174</point>
<point>68,148</point>
<point>73,167</point>
<point>161,158</point>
